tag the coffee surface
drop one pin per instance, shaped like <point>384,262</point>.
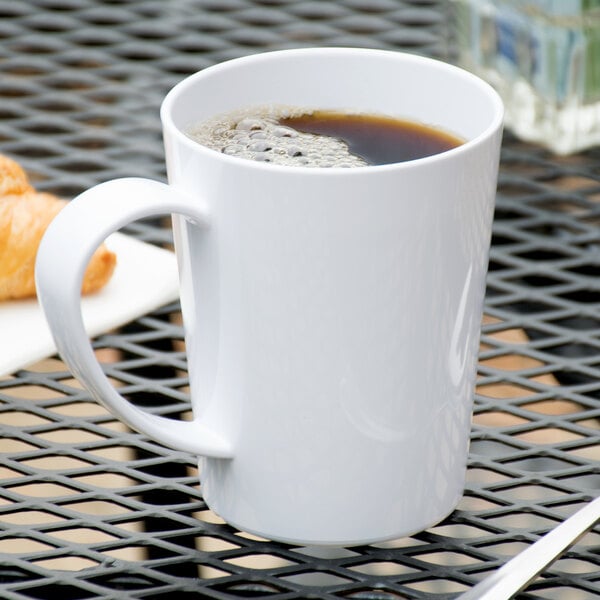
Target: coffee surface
<point>320,138</point>
<point>377,139</point>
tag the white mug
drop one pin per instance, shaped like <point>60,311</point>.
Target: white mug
<point>332,316</point>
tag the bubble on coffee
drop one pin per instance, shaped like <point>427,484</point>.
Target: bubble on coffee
<point>258,135</point>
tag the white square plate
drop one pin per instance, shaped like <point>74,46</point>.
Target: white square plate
<point>144,279</point>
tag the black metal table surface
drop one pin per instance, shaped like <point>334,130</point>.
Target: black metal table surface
<point>89,509</point>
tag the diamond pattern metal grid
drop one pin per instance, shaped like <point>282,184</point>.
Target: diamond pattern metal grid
<point>89,509</point>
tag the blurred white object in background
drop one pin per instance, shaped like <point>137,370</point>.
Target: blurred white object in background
<point>543,57</point>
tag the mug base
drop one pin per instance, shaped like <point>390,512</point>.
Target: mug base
<point>341,543</point>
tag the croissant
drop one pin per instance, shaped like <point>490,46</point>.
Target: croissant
<point>12,178</point>
<point>24,216</point>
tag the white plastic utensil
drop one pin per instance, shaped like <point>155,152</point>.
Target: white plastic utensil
<point>523,568</point>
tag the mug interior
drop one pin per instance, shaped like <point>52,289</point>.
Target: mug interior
<point>392,83</point>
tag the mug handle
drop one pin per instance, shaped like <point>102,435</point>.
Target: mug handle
<point>64,252</point>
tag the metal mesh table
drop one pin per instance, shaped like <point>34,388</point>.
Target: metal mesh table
<point>89,509</point>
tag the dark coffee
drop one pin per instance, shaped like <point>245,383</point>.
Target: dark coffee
<point>378,139</point>
<point>321,138</point>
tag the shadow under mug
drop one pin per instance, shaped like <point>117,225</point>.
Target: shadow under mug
<point>332,316</point>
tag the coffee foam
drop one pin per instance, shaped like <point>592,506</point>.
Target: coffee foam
<point>256,134</point>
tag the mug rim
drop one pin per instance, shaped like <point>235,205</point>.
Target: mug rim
<point>166,111</point>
